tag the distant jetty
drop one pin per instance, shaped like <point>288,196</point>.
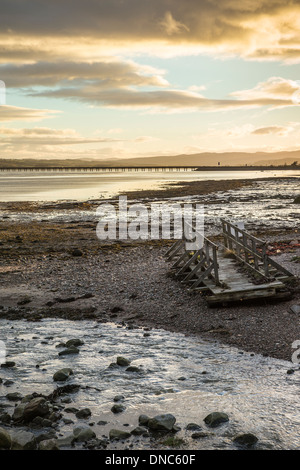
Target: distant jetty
<point>150,168</point>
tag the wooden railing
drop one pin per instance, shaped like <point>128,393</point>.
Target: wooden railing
<point>251,251</point>
<point>194,265</point>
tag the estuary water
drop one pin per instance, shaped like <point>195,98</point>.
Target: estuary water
<point>81,186</point>
<point>185,376</point>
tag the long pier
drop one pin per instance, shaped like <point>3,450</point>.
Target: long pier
<point>92,169</point>
<point>99,169</point>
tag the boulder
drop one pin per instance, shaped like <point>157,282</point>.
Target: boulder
<point>139,431</point>
<point>215,419</point>
<point>23,440</point>
<point>5,439</point>
<point>164,422</point>
<point>118,408</point>
<point>66,441</point>
<point>83,433</point>
<point>48,444</point>
<point>18,412</point>
<point>118,435</point>
<point>122,361</point>
<point>193,427</point>
<point>296,200</point>
<point>62,375</point>
<point>36,407</point>
<point>15,396</point>
<point>70,350</point>
<point>74,342</point>
<point>143,420</point>
<point>84,413</point>
<point>247,440</point>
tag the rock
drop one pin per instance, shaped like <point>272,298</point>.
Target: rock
<point>49,444</point>
<point>74,342</point>
<point>199,435</point>
<point>70,350</point>
<point>62,375</point>
<point>116,309</point>
<point>84,413</point>
<point>71,409</point>
<point>18,412</point>
<point>176,428</point>
<point>8,364</point>
<point>45,436</point>
<point>247,439</point>
<point>295,309</point>
<point>47,423</point>
<point>66,389</point>
<point>23,440</point>
<point>67,421</point>
<point>164,422</point>
<point>36,407</point>
<point>5,418</point>
<point>193,427</point>
<point>118,408</point>
<point>139,431</point>
<point>15,396</point>
<point>296,200</point>
<point>76,252</point>
<point>143,420</point>
<point>5,439</point>
<point>83,433</point>
<point>216,418</point>
<point>133,369</point>
<point>119,398</point>
<point>122,361</point>
<point>116,434</point>
<point>66,441</point>
<point>7,383</point>
<point>66,400</point>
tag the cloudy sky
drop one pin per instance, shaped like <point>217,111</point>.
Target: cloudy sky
<point>131,78</point>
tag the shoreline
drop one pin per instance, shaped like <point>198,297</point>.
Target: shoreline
<point>121,274</point>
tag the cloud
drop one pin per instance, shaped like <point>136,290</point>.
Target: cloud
<point>15,113</point>
<point>46,136</point>
<point>105,74</point>
<point>171,26</point>
<point>167,100</point>
<point>36,29</point>
<point>275,130</point>
<point>273,88</point>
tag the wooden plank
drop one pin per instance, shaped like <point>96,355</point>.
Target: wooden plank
<point>241,295</point>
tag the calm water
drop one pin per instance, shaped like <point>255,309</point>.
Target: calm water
<point>54,186</point>
<point>256,392</point>
<point>265,203</point>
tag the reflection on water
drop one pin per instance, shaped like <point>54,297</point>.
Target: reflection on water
<point>265,203</point>
<point>184,376</point>
<point>54,186</point>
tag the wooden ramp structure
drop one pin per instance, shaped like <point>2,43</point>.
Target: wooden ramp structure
<point>237,269</point>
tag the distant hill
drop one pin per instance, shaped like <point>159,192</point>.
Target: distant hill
<point>199,159</point>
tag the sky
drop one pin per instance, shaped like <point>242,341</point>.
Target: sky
<point>105,79</point>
